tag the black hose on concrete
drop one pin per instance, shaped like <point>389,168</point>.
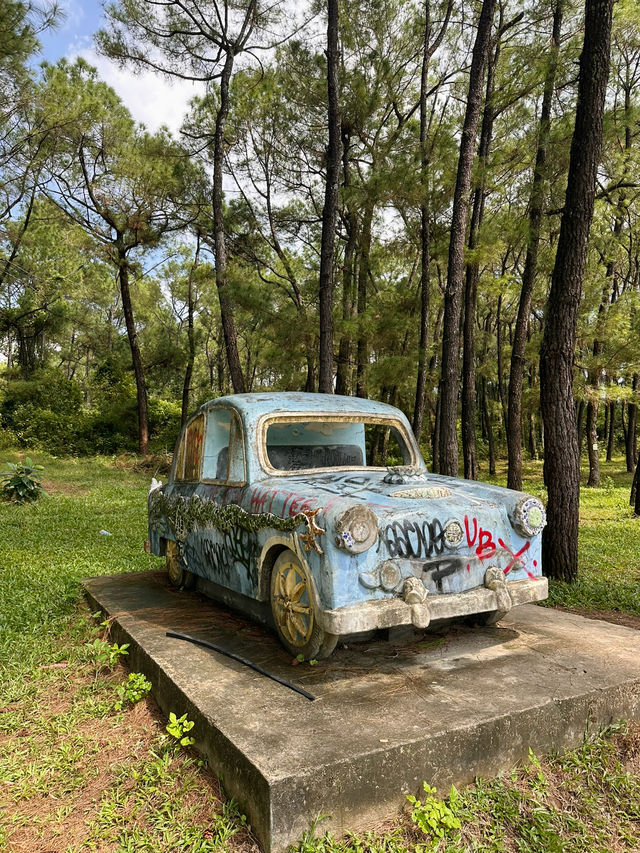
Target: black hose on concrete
<point>248,663</point>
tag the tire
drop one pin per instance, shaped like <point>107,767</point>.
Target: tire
<point>294,610</point>
<point>486,619</point>
<point>178,575</point>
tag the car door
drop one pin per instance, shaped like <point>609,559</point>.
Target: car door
<point>218,548</point>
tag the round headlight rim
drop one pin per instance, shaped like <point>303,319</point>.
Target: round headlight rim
<point>448,541</point>
<point>356,515</point>
<point>521,513</point>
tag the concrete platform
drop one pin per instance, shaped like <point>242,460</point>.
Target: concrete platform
<point>442,707</point>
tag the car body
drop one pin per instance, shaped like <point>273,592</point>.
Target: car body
<point>316,512</point>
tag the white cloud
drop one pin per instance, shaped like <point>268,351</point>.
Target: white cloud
<point>151,99</point>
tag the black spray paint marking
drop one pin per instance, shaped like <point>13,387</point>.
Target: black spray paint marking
<point>221,556</point>
<point>413,539</point>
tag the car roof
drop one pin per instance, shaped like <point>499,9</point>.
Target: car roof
<point>255,405</point>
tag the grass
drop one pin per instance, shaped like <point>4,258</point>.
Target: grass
<point>609,541</point>
<point>76,775</point>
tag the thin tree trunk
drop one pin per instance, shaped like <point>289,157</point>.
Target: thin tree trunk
<point>226,308</point>
<point>580,425</point>
<point>635,491</point>
<point>611,431</point>
<point>191,356</point>
<point>533,446</point>
<point>136,358</point>
<point>630,437</point>
<point>435,441</point>
<point>488,428</point>
<point>561,462</point>
<point>499,358</point>
<point>536,203</point>
<point>363,275</point>
<point>330,210</point>
<point>471,283</point>
<point>343,374</point>
<point>455,269</point>
<point>592,444</point>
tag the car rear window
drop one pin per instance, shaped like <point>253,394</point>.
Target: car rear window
<point>299,445</point>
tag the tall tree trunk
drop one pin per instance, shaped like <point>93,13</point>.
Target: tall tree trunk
<point>536,203</point>
<point>435,440</point>
<point>561,462</point>
<point>425,252</point>
<point>499,358</point>
<point>455,269</point>
<point>343,374</point>
<point>611,430</point>
<point>226,307</point>
<point>635,491</point>
<point>488,428</point>
<point>363,276</point>
<point>630,436</point>
<point>592,444</point>
<point>330,210</point>
<point>471,283</point>
<point>580,425</point>
<point>191,352</point>
<point>428,49</point>
<point>136,358</point>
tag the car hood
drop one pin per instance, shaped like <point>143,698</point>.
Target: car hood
<point>432,493</point>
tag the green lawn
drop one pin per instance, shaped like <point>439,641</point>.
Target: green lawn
<point>76,774</point>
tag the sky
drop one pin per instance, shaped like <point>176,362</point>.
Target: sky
<point>151,99</point>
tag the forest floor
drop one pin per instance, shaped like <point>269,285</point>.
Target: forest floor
<point>77,774</point>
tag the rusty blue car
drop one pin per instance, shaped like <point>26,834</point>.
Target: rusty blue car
<point>316,514</point>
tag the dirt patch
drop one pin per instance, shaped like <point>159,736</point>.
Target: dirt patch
<point>55,487</point>
<point>69,765</point>
<point>626,619</point>
<point>155,463</point>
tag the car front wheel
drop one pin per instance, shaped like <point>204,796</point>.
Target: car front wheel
<point>294,610</point>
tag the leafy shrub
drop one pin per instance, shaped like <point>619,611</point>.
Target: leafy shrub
<point>8,438</point>
<point>21,483</point>
<point>45,411</point>
<point>164,424</point>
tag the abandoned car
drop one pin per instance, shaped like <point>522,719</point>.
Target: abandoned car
<point>316,513</point>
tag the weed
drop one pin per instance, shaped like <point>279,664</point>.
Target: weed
<point>178,727</point>
<point>135,688</point>
<point>103,654</point>
<point>434,816</point>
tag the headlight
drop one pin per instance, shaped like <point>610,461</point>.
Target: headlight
<point>453,533</point>
<point>357,529</point>
<point>390,576</point>
<point>529,516</point>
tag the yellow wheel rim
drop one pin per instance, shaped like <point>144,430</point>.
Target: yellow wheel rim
<point>173,566</point>
<point>292,606</point>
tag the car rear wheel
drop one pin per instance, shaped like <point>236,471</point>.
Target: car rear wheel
<point>178,575</point>
<point>294,610</point>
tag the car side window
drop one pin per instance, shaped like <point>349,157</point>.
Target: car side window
<point>224,447</point>
<point>190,452</point>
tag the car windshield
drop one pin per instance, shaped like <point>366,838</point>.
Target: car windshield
<point>300,444</point>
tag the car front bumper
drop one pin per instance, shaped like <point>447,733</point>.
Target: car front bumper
<point>387,613</point>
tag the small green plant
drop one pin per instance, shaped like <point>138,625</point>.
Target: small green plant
<point>104,654</point>
<point>434,816</point>
<point>178,727</point>
<point>301,659</point>
<point>21,483</point>
<point>133,690</point>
